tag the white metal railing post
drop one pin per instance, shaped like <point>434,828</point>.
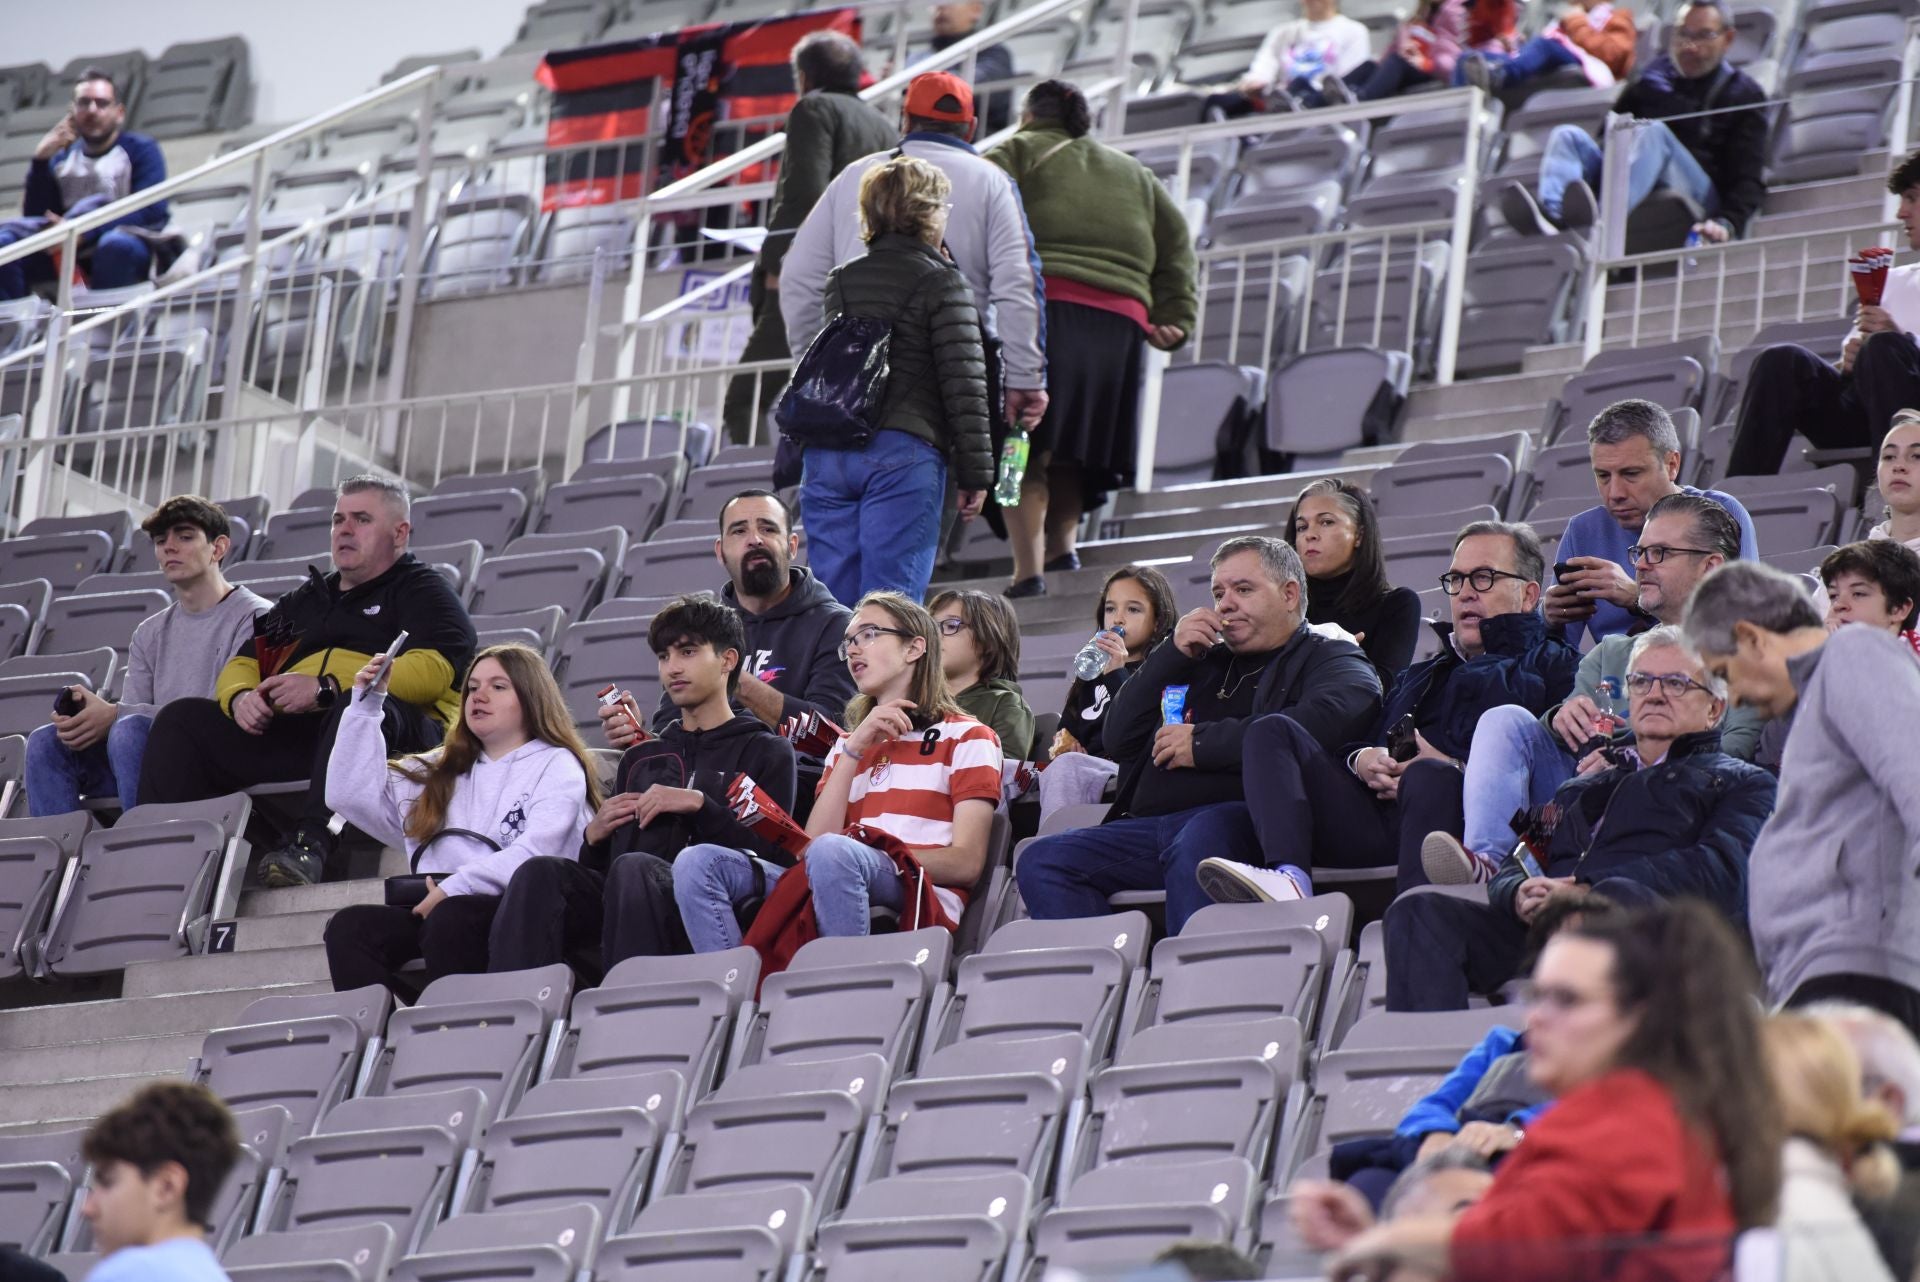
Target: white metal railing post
<point>1615,169</point>
<point>1454,291</point>
<point>580,413</point>
<point>1901,130</point>
<point>1116,115</point>
<point>412,265</point>
<point>43,423</point>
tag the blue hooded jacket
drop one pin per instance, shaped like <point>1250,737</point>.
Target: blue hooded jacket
<point>1522,663</point>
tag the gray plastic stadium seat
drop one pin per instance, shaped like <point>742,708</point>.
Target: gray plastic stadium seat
<point>610,541</point>
<point>1256,322</point>
<point>385,1161</point>
<point>125,581</point>
<point>77,623</point>
<point>488,517</point>
<point>1673,382</point>
<point>736,1236</point>
<point>1275,215</point>
<point>1836,109</point>
<point>117,526</point>
<point>1417,562</point>
<point>528,1246</point>
<point>16,626</point>
<point>509,584</point>
<point>301,1053</point>
<point>1460,1030</point>
<point>486,1031</point>
<point>668,568</point>
<point>26,701</point>
<point>652,1013</point>
<point>1236,975</point>
<point>1096,1213</point>
<point>143,885</point>
<point>32,852</point>
<point>575,234</point>
<point>1441,485</point>
<point>264,1135</point>
<point>846,996</point>
<point>981,1107</point>
<point>1839,478</point>
<point>955,1228</point>
<point>578,1140</point>
<point>356,1254</point>
<point>1361,1093</point>
<point>31,595</point>
<point>1037,978</point>
<point>1319,403</point>
<point>96,667</point>
<point>61,559</point>
<point>298,532</point>
<point>708,488</point>
<point>1518,295</point>
<point>637,440</point>
<point>13,759</point>
<point>33,1202</point>
<point>597,653</point>
<point>1196,403</point>
<point>196,87</point>
<point>1107,1241</point>
<point>526,480</point>
<point>1296,159</point>
<point>632,503</point>
<point>479,243</point>
<point>1784,520</point>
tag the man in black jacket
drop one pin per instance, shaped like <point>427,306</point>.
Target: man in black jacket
<point>670,793</point>
<point>274,713</point>
<point>1717,159</point>
<point>1177,729</point>
<point>1372,802</point>
<point>1665,815</point>
<point>828,128</point>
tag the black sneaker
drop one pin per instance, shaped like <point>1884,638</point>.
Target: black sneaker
<point>1578,207</point>
<point>298,863</point>
<point>1035,586</point>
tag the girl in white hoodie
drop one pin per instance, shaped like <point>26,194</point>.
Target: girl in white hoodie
<point>511,781</point>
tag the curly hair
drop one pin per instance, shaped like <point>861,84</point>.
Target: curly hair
<point>170,1122</point>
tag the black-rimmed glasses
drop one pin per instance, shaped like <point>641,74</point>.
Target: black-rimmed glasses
<point>1676,684</point>
<point>1482,579</point>
<point>1655,553</point>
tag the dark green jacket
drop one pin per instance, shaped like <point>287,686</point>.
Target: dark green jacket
<point>1100,217</point>
<point>826,132</point>
<point>1000,705</point>
<point>937,370</point>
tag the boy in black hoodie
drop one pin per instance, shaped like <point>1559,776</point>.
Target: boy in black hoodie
<point>670,793</point>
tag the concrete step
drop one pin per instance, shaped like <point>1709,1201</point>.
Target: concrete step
<point>47,1105</point>
<point>219,971</point>
<point>136,1017</point>
<point>1556,358</point>
<point>122,1057</point>
<point>1816,220</point>
<point>1445,427</point>
<point>282,930</point>
<point>1482,395</point>
<point>1834,193</point>
<point>325,897</point>
<point>1246,490</point>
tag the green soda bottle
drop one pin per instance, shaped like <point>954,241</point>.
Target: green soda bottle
<point>1013,469</point>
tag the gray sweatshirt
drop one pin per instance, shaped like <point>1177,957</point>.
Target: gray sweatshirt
<point>178,655</point>
<point>1832,884</point>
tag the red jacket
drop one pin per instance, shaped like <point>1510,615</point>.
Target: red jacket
<point>1609,1183</point>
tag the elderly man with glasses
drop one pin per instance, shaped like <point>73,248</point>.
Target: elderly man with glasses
<point>1370,802</point>
<point>1660,815</point>
<point>1520,757</point>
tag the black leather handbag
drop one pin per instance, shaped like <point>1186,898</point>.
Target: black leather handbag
<point>408,889</point>
<point>839,386</point>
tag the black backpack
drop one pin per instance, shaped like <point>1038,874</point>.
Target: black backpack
<point>839,386</point>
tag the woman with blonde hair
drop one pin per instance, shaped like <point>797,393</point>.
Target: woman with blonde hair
<point>1835,1150</point>
<point>511,781</point>
<point>872,504</point>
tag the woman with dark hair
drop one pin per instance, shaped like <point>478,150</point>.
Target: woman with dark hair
<point>1333,528</point>
<point>1117,260</point>
<point>1136,613</point>
<point>980,655</point>
<point>1664,1138</point>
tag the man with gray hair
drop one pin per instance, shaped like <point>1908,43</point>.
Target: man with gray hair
<point>1370,801</point>
<point>828,128</point>
<point>278,702</point>
<point>1835,907</point>
<point>1669,815</point>
<point>1636,463</point>
<point>1177,726</point>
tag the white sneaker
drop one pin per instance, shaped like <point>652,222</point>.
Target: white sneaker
<point>1227,882</point>
<point>1448,863</point>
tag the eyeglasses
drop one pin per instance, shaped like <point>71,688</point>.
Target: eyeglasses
<point>951,627</point>
<point>866,636</point>
<point>98,104</point>
<point>1482,579</point>
<point>1655,553</point>
<point>1555,997</point>
<point>1674,683</point>
<point>1681,36</point>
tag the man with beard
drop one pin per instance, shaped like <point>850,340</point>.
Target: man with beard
<point>793,625</point>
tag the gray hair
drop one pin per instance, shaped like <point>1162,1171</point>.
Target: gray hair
<point>1745,592</point>
<point>1888,1052</point>
<point>1720,7</point>
<point>1277,557</point>
<point>1528,557</point>
<point>397,496</point>
<point>1623,419</point>
<point>1712,523</point>
<point>829,61</point>
<point>1668,634</point>
<point>1450,1158</point>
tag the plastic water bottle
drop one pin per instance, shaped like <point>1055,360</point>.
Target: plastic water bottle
<point>1613,712</point>
<point>1092,660</point>
<point>1694,241</point>
<point>1013,468</point>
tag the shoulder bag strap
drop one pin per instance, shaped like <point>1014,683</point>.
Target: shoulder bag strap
<point>480,837</point>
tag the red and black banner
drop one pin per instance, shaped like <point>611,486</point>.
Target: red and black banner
<point>606,93</point>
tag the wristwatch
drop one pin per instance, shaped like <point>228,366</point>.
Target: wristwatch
<point>329,692</point>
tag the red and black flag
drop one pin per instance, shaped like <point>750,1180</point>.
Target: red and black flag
<point>607,93</point>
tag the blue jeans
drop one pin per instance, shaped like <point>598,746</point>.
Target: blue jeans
<point>1514,762</point>
<point>873,515</point>
<point>707,882</point>
<point>1070,874</point>
<point>1536,57</point>
<point>119,259</point>
<point>1657,160</point>
<point>848,878</point>
<point>57,776</point>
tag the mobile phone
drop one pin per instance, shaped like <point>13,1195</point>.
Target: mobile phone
<point>386,663</point>
<point>66,703</point>
<point>1561,569</point>
<point>1402,743</point>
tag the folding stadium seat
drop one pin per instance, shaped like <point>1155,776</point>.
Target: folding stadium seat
<point>667,568</point>
<point>735,1236</point>
<point>708,488</point>
<point>1391,307</point>
<point>1264,972</point>
<point>297,532</point>
<point>1210,61</point>
<point>532,1246</point>
<point>1441,485</point>
<point>1421,142</point>
<point>1459,1030</point>
<point>1298,159</point>
<point>510,584</point>
<point>653,1013</point>
<point>75,623</point>
<point>848,996</point>
<point>94,668</point>
<point>26,700</point>
<point>24,85</point>
<point>610,541</point>
<point>462,558</point>
<point>1361,1093</point>
<point>264,1135</point>
<point>575,236</point>
<point>596,653</point>
<point>1518,295</point>
<point>1838,477</point>
<point>526,480</point>
<point>1159,28</point>
<point>303,1053</point>
<point>561,24</point>
<point>61,559</point>
<point>490,517</point>
<point>648,438</point>
<point>579,1140</point>
<point>929,1228</point>
<point>630,502</point>
<point>16,626</point>
<point>13,758</point>
<point>1787,520</point>
<point>1838,105</point>
<point>486,1031</point>
<point>196,87</point>
<point>312,188</point>
<point>1526,129</point>
<point>1276,215</point>
<point>544,624</point>
<point>117,526</point>
<point>1418,561</point>
<point>376,1160</point>
<point>1038,978</point>
<point>1322,403</point>
<point>1250,311</point>
<point>357,1254</point>
<point>142,889</point>
<point>32,853</point>
<point>1114,1216</point>
<point>38,1176</point>
<point>1675,382</point>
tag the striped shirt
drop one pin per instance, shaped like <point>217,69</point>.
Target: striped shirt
<point>908,788</point>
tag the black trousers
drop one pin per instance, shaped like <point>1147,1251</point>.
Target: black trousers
<point>559,910</point>
<point>369,943</point>
<point>196,751</point>
<point>1790,389</point>
<point>1309,808</point>
<point>742,410</point>
<point>1887,995</point>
